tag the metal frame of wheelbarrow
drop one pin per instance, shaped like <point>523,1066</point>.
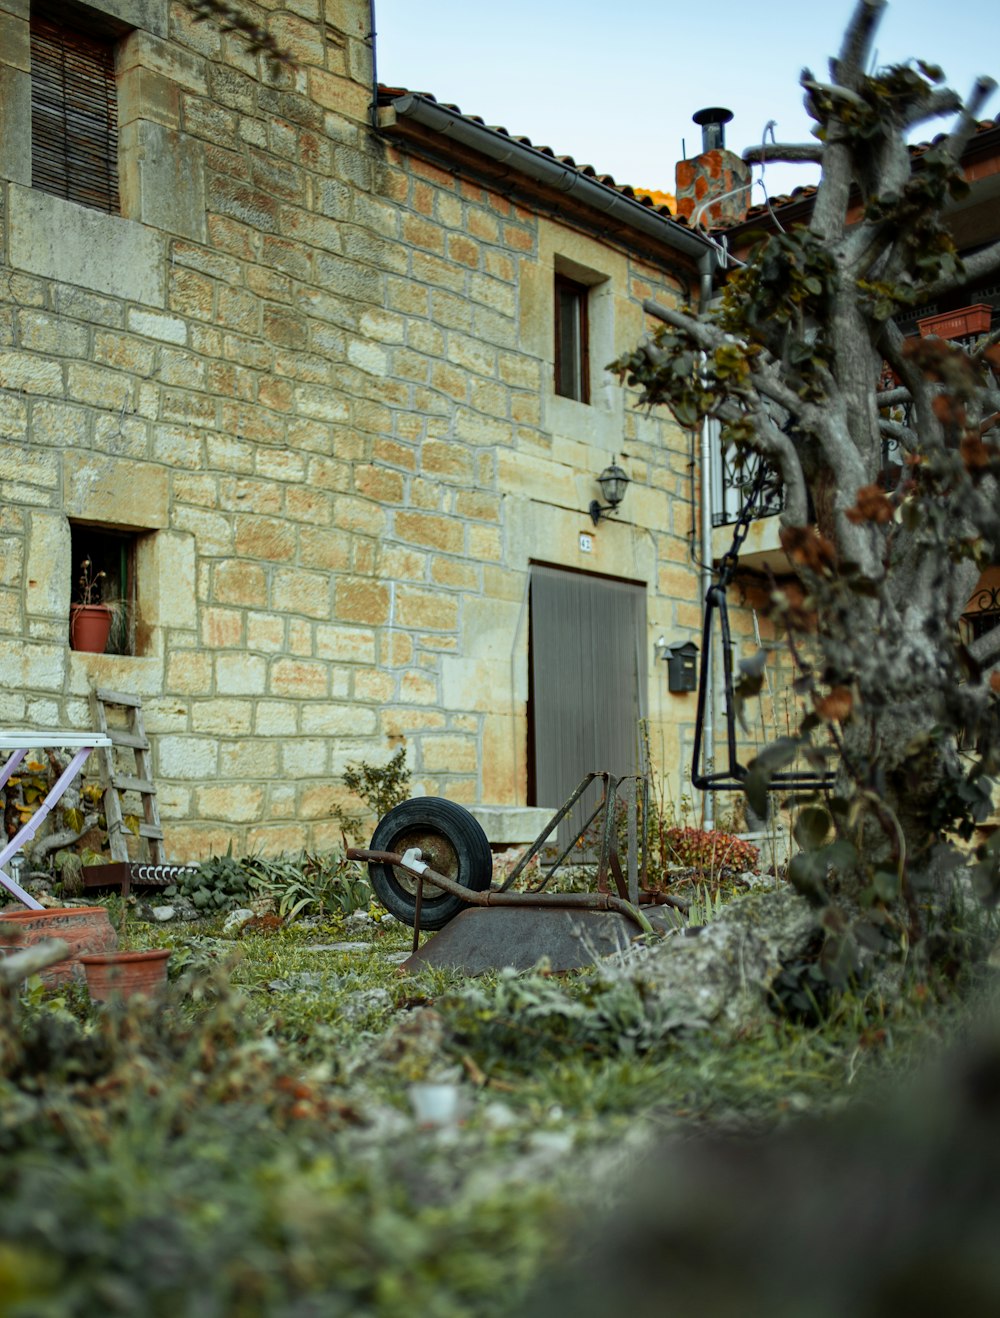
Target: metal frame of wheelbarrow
<point>628,900</point>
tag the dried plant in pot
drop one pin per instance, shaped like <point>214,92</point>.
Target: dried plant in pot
<point>91,617</point>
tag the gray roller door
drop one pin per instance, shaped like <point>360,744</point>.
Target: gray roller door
<point>588,681</point>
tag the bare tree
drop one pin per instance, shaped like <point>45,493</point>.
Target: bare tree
<point>790,364</point>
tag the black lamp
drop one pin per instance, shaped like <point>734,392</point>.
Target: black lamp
<point>613,482</point>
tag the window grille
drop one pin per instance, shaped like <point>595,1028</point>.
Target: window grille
<point>74,116</point>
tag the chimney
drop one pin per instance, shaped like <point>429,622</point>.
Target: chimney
<point>716,172</point>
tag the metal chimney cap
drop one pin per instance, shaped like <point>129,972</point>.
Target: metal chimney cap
<point>713,114</point>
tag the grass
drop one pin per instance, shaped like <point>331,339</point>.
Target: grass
<point>250,1148</point>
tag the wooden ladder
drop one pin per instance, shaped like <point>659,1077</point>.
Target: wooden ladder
<point>132,737</point>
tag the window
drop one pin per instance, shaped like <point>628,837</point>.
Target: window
<point>110,561</point>
<point>74,111</point>
<point>572,339</point>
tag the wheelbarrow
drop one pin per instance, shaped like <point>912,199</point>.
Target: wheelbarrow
<point>431,866</point>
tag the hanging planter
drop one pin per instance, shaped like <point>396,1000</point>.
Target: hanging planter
<point>85,928</point>
<point>125,975</point>
<point>89,627</point>
<point>957,324</point>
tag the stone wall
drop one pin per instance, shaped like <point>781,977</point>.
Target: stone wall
<point>312,373</point>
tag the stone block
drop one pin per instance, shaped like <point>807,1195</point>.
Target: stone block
<point>15,98</point>
<point>449,754</point>
<point>52,335</point>
<point>221,628</point>
<point>298,591</point>
<point>77,245</point>
<point>26,373</point>
<point>235,581</point>
<point>418,689</point>
<point>265,631</point>
<point>187,758</point>
<point>189,672</point>
<point>476,684</point>
<point>358,599</point>
<point>119,491</point>
<point>440,533</point>
<point>299,678</point>
<point>144,49</point>
<point>237,804</point>
<point>425,609</point>
<point>222,717</point>
<point>240,674</point>
<point>48,569</point>
<point>345,645</point>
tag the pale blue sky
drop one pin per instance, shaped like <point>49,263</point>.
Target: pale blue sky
<point>615,85</point>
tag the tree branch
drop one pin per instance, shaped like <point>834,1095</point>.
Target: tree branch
<point>858,37</point>
<point>19,965</point>
<point>790,152</point>
<point>986,648</point>
<point>940,101</point>
<point>968,117</point>
<point>975,267</point>
<point>895,430</point>
<point>56,841</point>
<point>774,443</point>
<point>707,337</point>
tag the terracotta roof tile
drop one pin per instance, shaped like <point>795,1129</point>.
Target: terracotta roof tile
<point>386,95</point>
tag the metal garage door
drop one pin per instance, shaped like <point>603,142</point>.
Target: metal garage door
<point>588,682</point>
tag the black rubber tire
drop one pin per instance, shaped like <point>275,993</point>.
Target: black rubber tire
<point>452,842</point>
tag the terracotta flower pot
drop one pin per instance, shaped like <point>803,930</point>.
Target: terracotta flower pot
<point>957,324</point>
<point>126,974</point>
<point>85,928</point>
<point>89,627</point>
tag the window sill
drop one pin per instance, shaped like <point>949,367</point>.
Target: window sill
<point>58,239</point>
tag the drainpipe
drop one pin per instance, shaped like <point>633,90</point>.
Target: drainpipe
<point>371,41</point>
<point>705,267</point>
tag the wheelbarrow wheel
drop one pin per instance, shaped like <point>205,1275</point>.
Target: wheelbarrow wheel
<point>451,841</point>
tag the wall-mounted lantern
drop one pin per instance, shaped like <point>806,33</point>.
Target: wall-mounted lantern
<point>613,482</point>
<point>682,666</point>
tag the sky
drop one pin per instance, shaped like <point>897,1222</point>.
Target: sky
<point>615,87</point>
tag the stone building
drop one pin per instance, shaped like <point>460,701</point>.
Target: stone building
<point>317,377</point>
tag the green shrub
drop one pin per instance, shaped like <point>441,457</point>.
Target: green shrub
<point>380,786</point>
<point>221,883</point>
<point>314,885</point>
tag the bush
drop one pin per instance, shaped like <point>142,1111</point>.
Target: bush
<point>710,849</point>
<point>221,883</point>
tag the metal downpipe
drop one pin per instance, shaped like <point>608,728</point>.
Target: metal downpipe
<point>705,267</point>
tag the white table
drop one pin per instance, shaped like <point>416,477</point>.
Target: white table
<point>81,743</point>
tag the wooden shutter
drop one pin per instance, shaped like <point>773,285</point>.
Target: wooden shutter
<point>74,116</point>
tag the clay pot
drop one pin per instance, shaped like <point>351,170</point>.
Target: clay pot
<point>89,627</point>
<point>85,928</point>
<point>126,974</point>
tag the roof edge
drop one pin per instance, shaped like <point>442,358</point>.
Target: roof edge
<point>542,168</point>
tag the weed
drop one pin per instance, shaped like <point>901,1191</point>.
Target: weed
<point>380,786</point>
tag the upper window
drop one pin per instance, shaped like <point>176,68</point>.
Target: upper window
<point>572,339</point>
<point>74,114</point>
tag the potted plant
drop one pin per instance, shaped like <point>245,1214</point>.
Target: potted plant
<point>89,617</point>
<point>120,972</point>
<point>125,974</point>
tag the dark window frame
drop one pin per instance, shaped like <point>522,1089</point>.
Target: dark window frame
<point>74,108</point>
<point>111,550</point>
<point>572,378</point>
